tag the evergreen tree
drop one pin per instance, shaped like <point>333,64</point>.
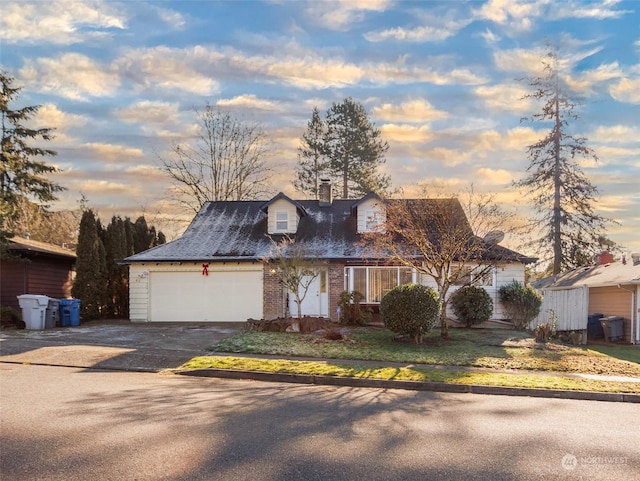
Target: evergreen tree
<point>128,230</point>
<point>20,174</point>
<point>355,150</point>
<point>117,290</point>
<point>90,283</point>
<point>160,238</point>
<point>312,163</point>
<point>142,236</point>
<point>562,195</point>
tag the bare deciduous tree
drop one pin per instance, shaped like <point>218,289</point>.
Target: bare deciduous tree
<point>445,238</point>
<point>36,222</point>
<point>227,161</point>
<point>293,266</point>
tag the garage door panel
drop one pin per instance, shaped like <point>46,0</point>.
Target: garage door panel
<point>220,296</point>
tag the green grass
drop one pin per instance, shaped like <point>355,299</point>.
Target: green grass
<point>628,353</point>
<point>408,373</point>
<point>490,348</point>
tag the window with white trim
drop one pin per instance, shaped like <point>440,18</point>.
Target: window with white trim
<point>282,221</point>
<point>476,276</point>
<point>373,220</point>
<point>484,278</point>
<point>375,282</point>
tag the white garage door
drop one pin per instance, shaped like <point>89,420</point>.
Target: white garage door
<point>192,297</point>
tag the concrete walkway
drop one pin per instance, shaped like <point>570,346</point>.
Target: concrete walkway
<point>155,347</point>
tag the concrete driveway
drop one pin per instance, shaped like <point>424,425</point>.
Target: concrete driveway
<point>118,345</point>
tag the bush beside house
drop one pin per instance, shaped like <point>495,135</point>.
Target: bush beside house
<point>472,305</point>
<point>410,310</point>
<point>522,303</point>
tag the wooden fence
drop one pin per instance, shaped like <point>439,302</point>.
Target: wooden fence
<point>569,307</point>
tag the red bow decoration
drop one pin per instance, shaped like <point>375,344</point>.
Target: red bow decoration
<point>205,269</point>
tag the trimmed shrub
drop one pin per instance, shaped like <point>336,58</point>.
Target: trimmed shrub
<point>351,311</point>
<point>472,305</point>
<point>522,303</point>
<point>410,310</point>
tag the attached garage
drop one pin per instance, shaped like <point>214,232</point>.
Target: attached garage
<point>178,293</point>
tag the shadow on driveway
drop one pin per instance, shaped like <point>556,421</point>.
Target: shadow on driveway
<point>114,345</point>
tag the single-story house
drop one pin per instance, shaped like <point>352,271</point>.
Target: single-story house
<point>35,268</point>
<point>214,271</point>
<point>609,287</point>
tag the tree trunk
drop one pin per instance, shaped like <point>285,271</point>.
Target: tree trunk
<point>444,327</point>
<point>345,179</point>
<point>557,184</point>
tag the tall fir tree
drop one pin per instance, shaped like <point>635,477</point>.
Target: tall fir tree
<point>142,236</point>
<point>145,237</point>
<point>21,175</point>
<point>91,270</point>
<point>117,289</point>
<point>562,195</point>
<point>313,164</point>
<point>355,150</point>
<point>160,238</point>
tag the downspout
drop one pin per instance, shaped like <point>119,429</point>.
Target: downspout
<point>634,314</point>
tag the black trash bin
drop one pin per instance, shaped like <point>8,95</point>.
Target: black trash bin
<point>612,327</point>
<point>594,327</point>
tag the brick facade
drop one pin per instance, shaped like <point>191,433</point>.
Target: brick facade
<point>273,297</point>
<point>336,286</point>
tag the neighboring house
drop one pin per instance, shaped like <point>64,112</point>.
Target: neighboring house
<point>214,271</point>
<point>38,268</point>
<point>610,287</point>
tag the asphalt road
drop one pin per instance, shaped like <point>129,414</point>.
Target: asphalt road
<point>81,424</point>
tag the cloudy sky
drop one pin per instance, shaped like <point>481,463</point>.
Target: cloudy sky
<point>119,81</point>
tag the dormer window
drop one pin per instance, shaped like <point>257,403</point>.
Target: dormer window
<point>373,220</point>
<point>282,221</point>
<point>371,214</point>
<point>283,214</point>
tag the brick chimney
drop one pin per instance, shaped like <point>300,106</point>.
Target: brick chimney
<point>325,195</point>
<point>603,258</point>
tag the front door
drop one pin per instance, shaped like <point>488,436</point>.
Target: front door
<point>316,301</point>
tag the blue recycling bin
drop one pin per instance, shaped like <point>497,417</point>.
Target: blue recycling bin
<point>69,312</point>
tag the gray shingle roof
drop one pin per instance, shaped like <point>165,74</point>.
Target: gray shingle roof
<point>231,231</point>
<point>593,276</point>
<point>238,231</point>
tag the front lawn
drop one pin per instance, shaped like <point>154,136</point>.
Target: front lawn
<point>490,348</point>
<point>409,373</point>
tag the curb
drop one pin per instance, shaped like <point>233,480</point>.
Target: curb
<point>412,385</point>
<point>151,370</point>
